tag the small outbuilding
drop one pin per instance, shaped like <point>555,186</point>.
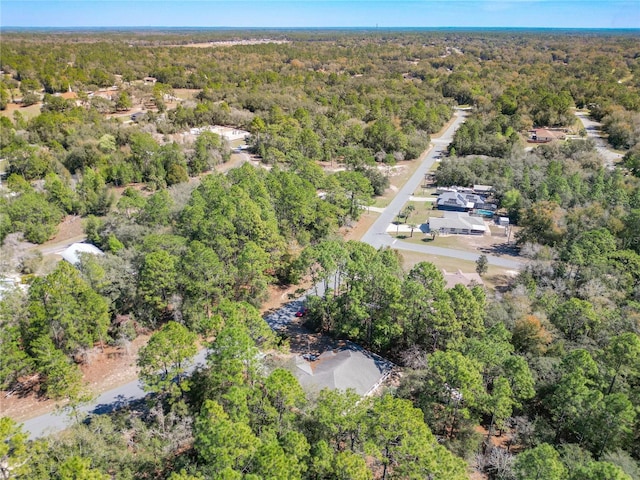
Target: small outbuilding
<point>502,221</point>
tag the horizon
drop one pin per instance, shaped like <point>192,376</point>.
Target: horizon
<point>322,14</point>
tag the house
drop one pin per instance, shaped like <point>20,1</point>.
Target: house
<point>350,367</point>
<point>453,201</point>
<point>460,278</point>
<point>543,135</point>
<point>72,253</point>
<point>458,223</point>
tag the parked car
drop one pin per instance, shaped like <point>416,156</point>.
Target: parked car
<point>302,312</point>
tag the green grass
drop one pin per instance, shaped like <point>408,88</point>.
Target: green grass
<point>27,112</point>
<point>185,93</point>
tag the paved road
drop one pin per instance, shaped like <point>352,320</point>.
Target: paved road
<point>377,235</point>
<point>594,131</point>
<point>105,403</point>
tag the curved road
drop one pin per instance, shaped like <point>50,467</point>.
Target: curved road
<point>377,235</point>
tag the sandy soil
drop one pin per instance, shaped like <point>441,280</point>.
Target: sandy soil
<point>106,369</point>
<point>27,112</point>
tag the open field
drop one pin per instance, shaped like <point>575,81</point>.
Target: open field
<point>27,112</point>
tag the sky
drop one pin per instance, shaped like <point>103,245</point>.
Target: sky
<point>322,13</point>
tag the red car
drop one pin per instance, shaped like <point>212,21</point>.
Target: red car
<point>302,312</point>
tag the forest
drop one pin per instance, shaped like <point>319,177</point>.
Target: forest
<point>537,379</point>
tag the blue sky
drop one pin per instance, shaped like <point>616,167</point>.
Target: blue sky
<point>322,13</point>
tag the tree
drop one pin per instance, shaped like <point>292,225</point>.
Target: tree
<point>60,378</point>
<point>599,471</point>
<point>541,223</point>
<point>398,438</point>
<point>530,335</point>
<point>157,281</point>
<point>123,103</point>
<point>482,265</point>
<point>14,450</point>
<point>78,468</point>
<point>157,209</point>
<point>204,279</point>
<point>338,419</point>
<point>210,150</point>
<point>500,404</point>
<point>221,443</point>
<point>469,308</point>
<point>164,360</point>
<point>285,395</point>
<point>575,318</point>
<point>63,307</point>
<point>232,360</point>
<point>540,463</point>
<point>452,387</point>
<point>622,355</point>
<point>59,193</point>
<point>16,362</point>
<point>31,214</point>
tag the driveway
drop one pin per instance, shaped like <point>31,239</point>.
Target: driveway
<point>594,131</point>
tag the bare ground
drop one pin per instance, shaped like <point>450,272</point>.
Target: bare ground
<point>106,369</point>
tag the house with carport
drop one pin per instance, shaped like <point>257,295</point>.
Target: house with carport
<point>458,223</point>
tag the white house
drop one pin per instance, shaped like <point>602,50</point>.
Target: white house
<point>458,223</point>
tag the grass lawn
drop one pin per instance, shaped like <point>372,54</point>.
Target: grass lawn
<point>186,93</point>
<point>27,112</point>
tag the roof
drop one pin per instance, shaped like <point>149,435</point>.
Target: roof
<point>459,277</point>
<point>69,95</point>
<point>350,367</point>
<point>482,188</point>
<point>72,252</point>
<point>457,220</point>
<point>545,133</point>
<point>454,199</point>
